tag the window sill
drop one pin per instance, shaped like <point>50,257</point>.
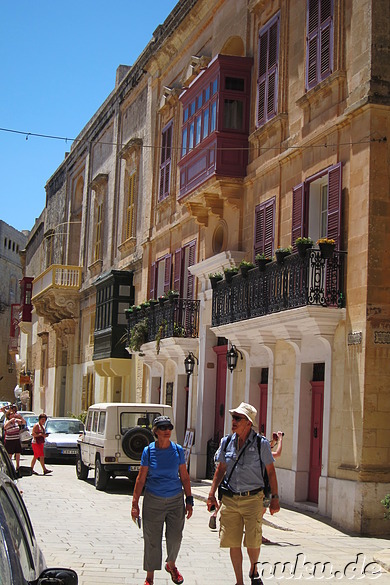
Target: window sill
<point>128,246</point>
<point>321,89</point>
<point>96,267</point>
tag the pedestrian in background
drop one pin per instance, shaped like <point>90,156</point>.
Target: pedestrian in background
<point>164,474</point>
<point>240,458</point>
<point>12,442</point>
<point>38,442</point>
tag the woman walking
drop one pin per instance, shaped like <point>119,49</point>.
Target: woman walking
<point>38,441</point>
<point>12,442</point>
<point>164,474</point>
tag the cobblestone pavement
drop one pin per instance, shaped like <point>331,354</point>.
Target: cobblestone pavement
<point>92,532</point>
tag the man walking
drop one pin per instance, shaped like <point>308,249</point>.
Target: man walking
<point>241,457</point>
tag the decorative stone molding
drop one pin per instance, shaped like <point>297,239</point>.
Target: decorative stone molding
<point>134,145</point>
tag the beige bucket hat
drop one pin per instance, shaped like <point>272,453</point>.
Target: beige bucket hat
<point>247,410</point>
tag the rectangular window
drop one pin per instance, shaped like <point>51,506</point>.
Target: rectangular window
<point>319,41</point>
<point>130,211</point>
<point>233,114</point>
<point>191,136</point>
<point>234,83</point>
<point>267,79</point>
<point>184,142</point>
<point>198,129</point>
<point>213,122</point>
<point>205,123</point>
<point>98,237</point>
<point>165,166</point>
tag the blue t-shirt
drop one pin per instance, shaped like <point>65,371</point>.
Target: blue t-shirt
<point>163,469</point>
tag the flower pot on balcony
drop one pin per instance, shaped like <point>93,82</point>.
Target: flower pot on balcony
<point>245,267</point>
<point>327,250</point>
<point>229,274</point>
<point>280,255</point>
<point>214,280</point>
<point>262,263</point>
<point>162,301</point>
<point>302,249</point>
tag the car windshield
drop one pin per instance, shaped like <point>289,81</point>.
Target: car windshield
<point>31,420</point>
<point>137,419</point>
<point>65,427</point>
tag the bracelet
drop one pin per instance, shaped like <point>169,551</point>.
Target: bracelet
<point>190,500</point>
<point>274,497</point>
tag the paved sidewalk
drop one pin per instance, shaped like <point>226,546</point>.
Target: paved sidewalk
<point>310,532</point>
<point>92,532</point>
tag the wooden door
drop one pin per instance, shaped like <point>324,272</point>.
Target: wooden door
<point>317,408</point>
<point>220,394</point>
<point>263,408</point>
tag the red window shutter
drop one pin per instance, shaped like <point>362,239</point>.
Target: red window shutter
<point>334,204</point>
<point>297,212</point>
<point>165,166</point>
<point>319,43</point>
<point>167,273</point>
<point>191,278</point>
<point>267,82</point>
<point>152,281</point>
<point>264,228</point>
<point>177,272</point>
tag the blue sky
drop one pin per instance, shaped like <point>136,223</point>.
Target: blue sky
<point>58,64</point>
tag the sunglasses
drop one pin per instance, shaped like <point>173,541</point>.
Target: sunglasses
<point>164,428</point>
<point>238,418</point>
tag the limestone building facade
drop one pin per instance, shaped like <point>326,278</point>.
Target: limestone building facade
<point>242,127</point>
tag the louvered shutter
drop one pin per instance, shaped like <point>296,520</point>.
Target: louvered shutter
<point>191,278</point>
<point>297,213</point>
<point>267,81</point>
<point>152,281</point>
<point>319,49</point>
<point>165,166</point>
<point>265,228</point>
<point>167,273</point>
<point>334,204</point>
<point>177,269</point>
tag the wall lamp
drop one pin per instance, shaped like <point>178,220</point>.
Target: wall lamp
<point>232,357</point>
<point>189,363</point>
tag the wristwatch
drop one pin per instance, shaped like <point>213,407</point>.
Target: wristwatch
<point>274,497</point>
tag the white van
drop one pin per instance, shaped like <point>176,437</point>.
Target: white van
<point>115,436</point>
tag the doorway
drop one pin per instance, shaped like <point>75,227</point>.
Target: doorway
<point>220,394</point>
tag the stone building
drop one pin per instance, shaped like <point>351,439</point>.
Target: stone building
<point>12,241</point>
<point>242,127</point>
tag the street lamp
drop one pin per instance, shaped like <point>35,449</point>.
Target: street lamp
<point>232,357</point>
<point>189,364</point>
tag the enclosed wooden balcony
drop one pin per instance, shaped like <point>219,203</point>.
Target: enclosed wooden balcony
<point>55,292</point>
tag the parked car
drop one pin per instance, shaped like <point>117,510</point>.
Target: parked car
<point>21,559</point>
<point>31,420</point>
<point>6,465</point>
<point>62,439</point>
<point>115,436</point>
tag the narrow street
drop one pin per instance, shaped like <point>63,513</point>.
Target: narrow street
<point>91,532</point>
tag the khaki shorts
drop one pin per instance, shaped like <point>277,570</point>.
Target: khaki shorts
<point>239,513</point>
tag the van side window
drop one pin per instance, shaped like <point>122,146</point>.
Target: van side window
<point>95,422</point>
<point>130,420</point>
<point>102,423</point>
<point>89,421</point>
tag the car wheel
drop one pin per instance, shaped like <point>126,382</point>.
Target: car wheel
<point>101,476</point>
<point>135,440</point>
<point>81,469</point>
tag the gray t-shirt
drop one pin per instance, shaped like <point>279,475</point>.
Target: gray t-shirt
<point>247,474</point>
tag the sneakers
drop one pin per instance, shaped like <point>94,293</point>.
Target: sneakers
<point>255,578</point>
<point>175,575</point>
<point>213,523</point>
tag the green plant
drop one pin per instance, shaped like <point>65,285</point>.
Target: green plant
<point>217,275</point>
<point>82,416</point>
<point>326,241</point>
<point>287,250</point>
<point>386,503</point>
<point>303,241</point>
<point>230,270</point>
<point>160,334</point>
<point>262,256</point>
<point>246,264</point>
<point>178,330</point>
<point>145,304</point>
<point>138,335</point>
<point>172,293</point>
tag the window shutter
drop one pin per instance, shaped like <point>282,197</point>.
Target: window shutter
<point>334,204</point>
<point>297,213</point>
<point>165,166</point>
<point>267,82</point>
<point>191,278</point>
<point>264,228</point>
<point>152,281</point>
<point>130,209</point>
<point>167,273</point>
<point>319,44</point>
<point>177,272</point>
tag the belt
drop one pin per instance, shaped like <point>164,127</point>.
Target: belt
<point>249,493</point>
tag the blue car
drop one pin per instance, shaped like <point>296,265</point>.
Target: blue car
<point>21,559</point>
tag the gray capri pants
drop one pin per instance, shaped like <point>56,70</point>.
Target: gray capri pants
<point>155,512</point>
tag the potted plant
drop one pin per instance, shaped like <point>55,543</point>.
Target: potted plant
<point>386,503</point>
<point>229,272</point>
<point>245,266</point>
<point>262,260</point>
<point>327,246</point>
<point>281,253</point>
<point>160,334</point>
<point>138,335</point>
<point>303,244</point>
<point>162,299</point>
<point>215,277</point>
<point>153,303</point>
<point>172,295</point>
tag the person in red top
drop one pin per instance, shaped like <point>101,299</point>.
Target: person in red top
<point>39,433</point>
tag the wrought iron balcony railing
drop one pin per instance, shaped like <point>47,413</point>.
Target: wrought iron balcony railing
<point>169,318</point>
<point>295,283</point>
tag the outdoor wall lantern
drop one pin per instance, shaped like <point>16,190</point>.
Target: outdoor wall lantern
<point>232,357</point>
<point>189,363</point>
